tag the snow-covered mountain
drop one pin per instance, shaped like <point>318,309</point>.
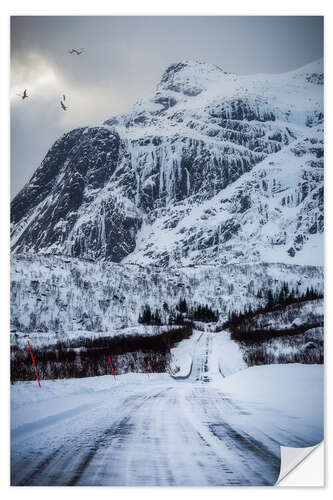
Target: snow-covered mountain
<point>213,168</point>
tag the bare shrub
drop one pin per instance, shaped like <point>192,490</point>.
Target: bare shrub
<point>89,357</point>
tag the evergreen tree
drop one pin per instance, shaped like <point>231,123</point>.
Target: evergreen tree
<point>172,318</point>
<point>205,313</point>
<point>145,317</point>
<point>270,298</point>
<point>182,306</point>
<point>259,294</point>
<point>179,319</point>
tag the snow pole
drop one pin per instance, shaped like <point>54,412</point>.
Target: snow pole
<point>113,373</point>
<point>33,361</point>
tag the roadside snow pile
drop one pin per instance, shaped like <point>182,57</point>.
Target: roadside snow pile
<point>294,389</point>
<point>182,356</point>
<point>228,354</point>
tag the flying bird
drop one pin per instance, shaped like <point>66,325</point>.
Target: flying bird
<point>24,95</point>
<point>63,106</point>
<point>77,52</point>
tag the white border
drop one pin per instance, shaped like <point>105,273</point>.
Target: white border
<point>142,7</point>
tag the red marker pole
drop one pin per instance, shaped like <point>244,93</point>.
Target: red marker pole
<point>145,365</point>
<point>113,373</point>
<point>33,360</point>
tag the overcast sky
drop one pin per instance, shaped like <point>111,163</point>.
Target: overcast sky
<point>124,60</point>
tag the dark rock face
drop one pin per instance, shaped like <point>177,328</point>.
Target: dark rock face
<point>242,109</point>
<point>45,176</point>
<point>175,169</point>
<point>61,197</point>
<point>206,178</point>
<point>110,235</point>
<point>168,81</point>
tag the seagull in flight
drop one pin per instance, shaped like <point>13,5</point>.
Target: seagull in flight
<point>24,95</point>
<point>77,52</point>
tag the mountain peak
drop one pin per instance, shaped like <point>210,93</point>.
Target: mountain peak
<point>189,77</point>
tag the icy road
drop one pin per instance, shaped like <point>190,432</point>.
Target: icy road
<point>156,430</point>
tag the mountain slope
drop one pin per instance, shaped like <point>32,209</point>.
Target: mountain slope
<point>212,168</point>
<point>71,296</point>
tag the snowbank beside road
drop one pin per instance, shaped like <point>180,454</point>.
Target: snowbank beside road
<point>294,389</point>
<point>182,355</point>
<point>229,356</point>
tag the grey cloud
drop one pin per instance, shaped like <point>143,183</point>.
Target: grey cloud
<point>124,61</point>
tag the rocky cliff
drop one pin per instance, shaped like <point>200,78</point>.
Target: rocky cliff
<point>212,168</point>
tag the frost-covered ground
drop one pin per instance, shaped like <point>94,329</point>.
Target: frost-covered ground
<point>288,317</point>
<point>293,333</point>
<point>206,429</point>
<point>307,347</point>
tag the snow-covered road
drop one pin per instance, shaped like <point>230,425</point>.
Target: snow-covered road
<point>155,430</point>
